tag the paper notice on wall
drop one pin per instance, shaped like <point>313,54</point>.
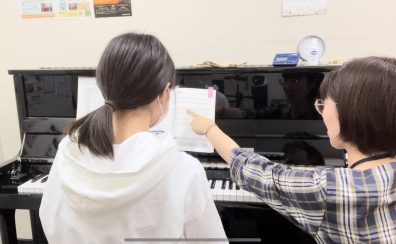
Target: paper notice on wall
<point>75,8</point>
<point>303,7</point>
<point>112,8</point>
<point>32,9</point>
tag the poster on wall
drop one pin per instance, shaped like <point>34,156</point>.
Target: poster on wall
<point>303,7</point>
<point>33,9</point>
<point>112,8</point>
<point>74,8</point>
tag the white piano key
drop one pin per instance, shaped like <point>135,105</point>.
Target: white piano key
<point>248,197</point>
<point>233,192</point>
<point>239,195</point>
<point>244,195</point>
<point>227,192</point>
<point>219,191</point>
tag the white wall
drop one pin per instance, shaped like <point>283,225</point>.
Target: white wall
<point>193,31</point>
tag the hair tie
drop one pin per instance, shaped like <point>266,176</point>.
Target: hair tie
<point>111,104</point>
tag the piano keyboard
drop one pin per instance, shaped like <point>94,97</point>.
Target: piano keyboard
<point>215,165</point>
<point>222,190</point>
<point>35,185</point>
<point>228,191</point>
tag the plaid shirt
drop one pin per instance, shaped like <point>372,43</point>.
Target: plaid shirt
<point>334,205</point>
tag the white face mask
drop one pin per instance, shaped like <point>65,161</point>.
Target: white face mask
<point>163,114</point>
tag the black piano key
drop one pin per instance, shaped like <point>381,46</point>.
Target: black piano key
<point>230,186</point>
<point>223,185</point>
<point>237,187</point>
<point>44,179</point>
<point>212,186</point>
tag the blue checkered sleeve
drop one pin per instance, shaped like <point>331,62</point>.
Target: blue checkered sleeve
<point>297,194</point>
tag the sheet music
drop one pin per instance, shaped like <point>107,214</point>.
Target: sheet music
<point>202,101</point>
<point>89,96</point>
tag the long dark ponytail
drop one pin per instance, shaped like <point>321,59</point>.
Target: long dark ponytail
<point>133,70</point>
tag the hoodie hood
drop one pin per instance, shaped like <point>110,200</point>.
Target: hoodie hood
<point>92,183</point>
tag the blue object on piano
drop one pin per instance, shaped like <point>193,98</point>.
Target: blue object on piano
<point>286,59</point>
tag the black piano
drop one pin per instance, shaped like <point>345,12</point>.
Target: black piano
<point>266,109</point>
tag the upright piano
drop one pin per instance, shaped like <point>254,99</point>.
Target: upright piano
<point>266,109</point>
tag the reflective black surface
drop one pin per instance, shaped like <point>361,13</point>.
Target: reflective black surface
<point>284,96</point>
<point>50,95</point>
<point>40,145</point>
<point>271,112</point>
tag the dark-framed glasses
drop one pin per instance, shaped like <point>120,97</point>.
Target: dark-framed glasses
<point>320,104</point>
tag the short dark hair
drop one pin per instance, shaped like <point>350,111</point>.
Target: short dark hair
<point>133,70</point>
<point>364,92</point>
<point>314,80</point>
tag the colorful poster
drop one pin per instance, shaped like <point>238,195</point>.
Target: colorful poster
<point>32,9</point>
<point>75,8</point>
<point>112,8</point>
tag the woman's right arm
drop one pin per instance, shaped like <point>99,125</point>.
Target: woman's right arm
<point>297,194</point>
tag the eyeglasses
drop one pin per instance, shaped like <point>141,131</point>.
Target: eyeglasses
<point>320,104</point>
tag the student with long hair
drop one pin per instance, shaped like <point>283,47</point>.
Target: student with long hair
<point>111,178</point>
<point>356,204</point>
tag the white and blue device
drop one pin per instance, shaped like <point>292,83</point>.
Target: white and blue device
<point>286,59</point>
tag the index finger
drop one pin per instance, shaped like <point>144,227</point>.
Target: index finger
<point>192,113</point>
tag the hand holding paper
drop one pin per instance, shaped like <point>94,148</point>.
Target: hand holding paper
<point>202,101</point>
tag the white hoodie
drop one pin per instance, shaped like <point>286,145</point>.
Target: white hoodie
<point>149,190</point>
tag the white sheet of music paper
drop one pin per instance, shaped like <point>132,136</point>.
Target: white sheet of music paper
<point>89,96</point>
<point>202,101</point>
